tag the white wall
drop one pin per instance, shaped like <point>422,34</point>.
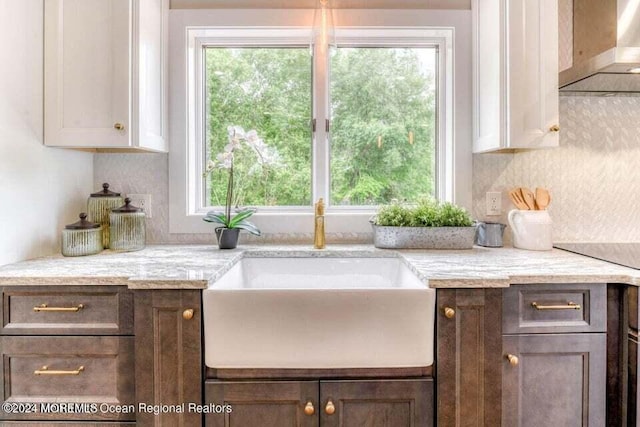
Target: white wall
<point>41,188</point>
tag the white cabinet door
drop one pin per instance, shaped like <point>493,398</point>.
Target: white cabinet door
<point>533,73</point>
<point>87,78</point>
<point>515,74</point>
<point>106,74</point>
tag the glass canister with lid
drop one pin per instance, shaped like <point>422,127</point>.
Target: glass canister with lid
<point>127,228</point>
<point>99,205</point>
<point>82,238</point>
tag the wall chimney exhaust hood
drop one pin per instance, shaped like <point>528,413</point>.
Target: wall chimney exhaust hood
<point>606,49</point>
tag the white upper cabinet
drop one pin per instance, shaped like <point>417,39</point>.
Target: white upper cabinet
<point>515,74</point>
<point>106,74</point>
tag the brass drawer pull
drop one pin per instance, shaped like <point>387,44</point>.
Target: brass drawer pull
<point>44,307</point>
<point>569,306</point>
<point>554,128</point>
<point>118,126</point>
<point>449,312</point>
<point>513,359</point>
<point>45,371</point>
<point>187,314</point>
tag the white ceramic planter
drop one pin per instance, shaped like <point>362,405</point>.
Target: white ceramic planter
<point>386,237</point>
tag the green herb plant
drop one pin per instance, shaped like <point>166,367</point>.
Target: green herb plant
<point>427,213</point>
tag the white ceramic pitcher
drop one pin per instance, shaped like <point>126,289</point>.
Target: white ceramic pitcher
<point>531,229</point>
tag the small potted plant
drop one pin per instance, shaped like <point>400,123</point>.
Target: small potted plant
<point>229,225</point>
<point>426,225</point>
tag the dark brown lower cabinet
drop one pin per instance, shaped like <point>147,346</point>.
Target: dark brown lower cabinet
<point>468,354</point>
<point>377,403</point>
<point>632,396</point>
<point>168,355</point>
<point>263,403</point>
<point>49,370</point>
<point>326,403</point>
<point>554,380</point>
<point>63,424</point>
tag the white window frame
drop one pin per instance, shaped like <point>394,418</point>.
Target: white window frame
<point>191,30</point>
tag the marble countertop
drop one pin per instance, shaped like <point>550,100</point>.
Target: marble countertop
<point>194,266</point>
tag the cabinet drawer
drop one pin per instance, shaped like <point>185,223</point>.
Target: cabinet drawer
<point>67,310</point>
<point>78,370</point>
<point>554,308</point>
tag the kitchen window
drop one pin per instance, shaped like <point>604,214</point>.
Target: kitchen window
<point>359,124</point>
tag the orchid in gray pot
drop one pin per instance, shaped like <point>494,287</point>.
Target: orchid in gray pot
<point>229,225</point>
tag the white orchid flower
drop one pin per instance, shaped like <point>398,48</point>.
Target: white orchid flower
<point>251,136</point>
<point>265,155</point>
<point>232,146</point>
<point>236,132</point>
<point>224,160</point>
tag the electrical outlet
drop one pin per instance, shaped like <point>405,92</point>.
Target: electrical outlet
<point>494,203</point>
<point>141,201</point>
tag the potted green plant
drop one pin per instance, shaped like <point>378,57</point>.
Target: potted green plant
<point>427,225</point>
<point>230,225</point>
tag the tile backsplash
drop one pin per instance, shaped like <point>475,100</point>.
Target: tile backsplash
<point>593,177</point>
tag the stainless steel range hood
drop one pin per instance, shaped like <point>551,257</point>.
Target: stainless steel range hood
<point>606,49</point>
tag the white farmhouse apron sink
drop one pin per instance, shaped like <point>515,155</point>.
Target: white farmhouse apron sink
<point>318,313</point>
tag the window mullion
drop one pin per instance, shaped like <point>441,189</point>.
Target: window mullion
<point>321,114</point>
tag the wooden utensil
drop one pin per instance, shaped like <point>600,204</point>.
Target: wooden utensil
<point>528,197</point>
<point>516,197</point>
<point>543,198</point>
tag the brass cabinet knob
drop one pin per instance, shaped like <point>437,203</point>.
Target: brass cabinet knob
<point>309,409</point>
<point>513,360</point>
<point>187,314</point>
<point>555,128</point>
<point>330,409</point>
<point>118,126</point>
<point>449,312</point>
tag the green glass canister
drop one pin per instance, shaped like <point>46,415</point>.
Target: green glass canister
<point>99,205</point>
<point>127,228</point>
<point>82,238</point>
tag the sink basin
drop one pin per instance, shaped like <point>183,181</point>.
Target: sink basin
<point>317,313</point>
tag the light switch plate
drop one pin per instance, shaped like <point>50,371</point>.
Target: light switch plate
<point>141,201</point>
<point>494,203</point>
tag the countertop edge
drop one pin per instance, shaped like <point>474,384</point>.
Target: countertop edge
<point>438,278</point>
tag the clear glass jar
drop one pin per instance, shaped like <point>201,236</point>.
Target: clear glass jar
<point>127,228</point>
<point>82,238</point>
<point>99,205</point>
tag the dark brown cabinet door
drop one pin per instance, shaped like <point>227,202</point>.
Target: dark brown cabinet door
<point>168,355</point>
<point>468,352</point>
<point>263,403</point>
<point>632,396</point>
<point>377,403</point>
<point>554,380</point>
